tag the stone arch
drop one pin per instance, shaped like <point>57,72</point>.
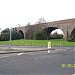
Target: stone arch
<point>48,30</point>
<point>73,34</point>
<point>22,34</point>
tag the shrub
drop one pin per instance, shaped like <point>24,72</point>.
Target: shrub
<point>16,35</point>
<point>72,39</point>
<point>5,35</point>
<point>57,36</point>
<point>40,35</point>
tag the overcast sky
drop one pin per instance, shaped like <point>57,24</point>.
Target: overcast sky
<point>14,12</point>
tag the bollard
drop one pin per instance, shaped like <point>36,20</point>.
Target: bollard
<point>49,46</point>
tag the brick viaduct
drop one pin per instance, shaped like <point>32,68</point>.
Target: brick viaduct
<point>67,26</point>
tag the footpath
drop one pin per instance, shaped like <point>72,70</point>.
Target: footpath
<point>5,49</point>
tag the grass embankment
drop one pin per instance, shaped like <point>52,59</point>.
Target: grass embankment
<point>55,42</point>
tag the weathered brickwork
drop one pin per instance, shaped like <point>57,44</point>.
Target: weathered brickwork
<point>67,26</point>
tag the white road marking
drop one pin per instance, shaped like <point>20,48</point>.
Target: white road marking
<point>9,55</point>
<point>20,54</point>
<point>48,51</point>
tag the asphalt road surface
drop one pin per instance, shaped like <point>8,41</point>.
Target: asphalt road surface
<point>38,63</point>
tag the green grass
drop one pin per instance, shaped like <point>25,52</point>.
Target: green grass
<point>55,42</point>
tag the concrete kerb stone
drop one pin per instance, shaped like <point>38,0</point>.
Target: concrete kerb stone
<point>19,50</point>
<point>7,50</point>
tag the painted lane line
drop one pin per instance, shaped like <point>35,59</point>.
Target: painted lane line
<point>20,54</point>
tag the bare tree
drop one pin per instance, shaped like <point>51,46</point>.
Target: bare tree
<point>41,20</point>
<point>19,25</point>
<point>28,23</point>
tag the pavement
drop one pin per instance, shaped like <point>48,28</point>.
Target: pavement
<point>5,49</point>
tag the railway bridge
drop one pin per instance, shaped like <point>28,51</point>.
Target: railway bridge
<point>67,26</point>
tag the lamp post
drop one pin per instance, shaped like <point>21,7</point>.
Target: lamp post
<point>10,38</point>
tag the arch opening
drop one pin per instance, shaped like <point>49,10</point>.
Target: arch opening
<point>48,31</point>
<point>22,34</point>
<point>73,34</point>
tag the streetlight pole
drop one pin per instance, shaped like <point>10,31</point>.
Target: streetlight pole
<point>10,38</point>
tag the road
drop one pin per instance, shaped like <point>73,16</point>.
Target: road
<point>38,63</point>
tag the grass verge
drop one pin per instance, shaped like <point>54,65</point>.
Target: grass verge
<point>55,42</point>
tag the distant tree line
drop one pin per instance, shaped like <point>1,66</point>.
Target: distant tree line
<point>39,35</point>
<point>5,35</point>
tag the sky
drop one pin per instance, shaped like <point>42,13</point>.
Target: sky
<point>14,12</point>
<point>59,31</point>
